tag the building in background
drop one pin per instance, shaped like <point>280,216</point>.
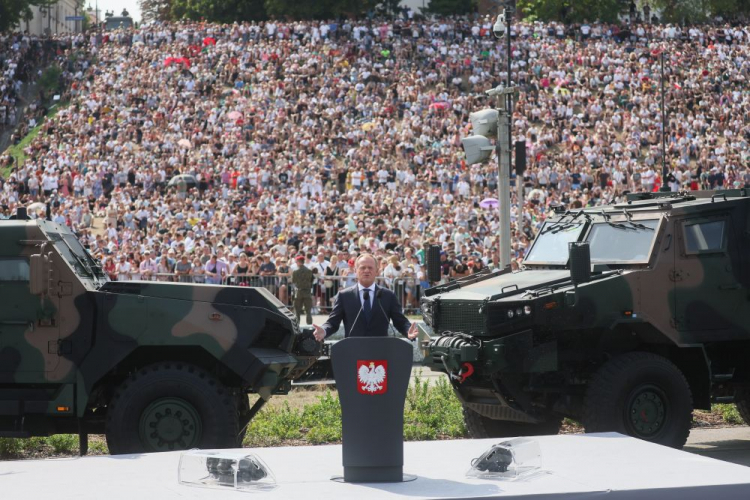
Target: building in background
<point>55,19</point>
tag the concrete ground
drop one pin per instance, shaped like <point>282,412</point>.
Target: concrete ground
<point>730,444</point>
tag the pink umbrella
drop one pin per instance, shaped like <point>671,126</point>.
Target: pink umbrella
<point>489,203</point>
<point>233,115</point>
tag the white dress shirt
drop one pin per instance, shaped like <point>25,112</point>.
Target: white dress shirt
<point>362,294</point>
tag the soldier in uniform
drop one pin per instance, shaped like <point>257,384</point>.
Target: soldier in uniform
<point>302,279</point>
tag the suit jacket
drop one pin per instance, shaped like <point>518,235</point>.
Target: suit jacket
<point>347,307</point>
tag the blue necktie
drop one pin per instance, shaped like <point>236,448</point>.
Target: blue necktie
<point>367,306</point>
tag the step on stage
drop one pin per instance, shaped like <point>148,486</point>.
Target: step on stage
<point>593,466</point>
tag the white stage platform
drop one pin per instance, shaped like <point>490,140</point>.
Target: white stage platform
<point>593,466</point>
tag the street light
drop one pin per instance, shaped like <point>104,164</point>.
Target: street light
<point>490,122</point>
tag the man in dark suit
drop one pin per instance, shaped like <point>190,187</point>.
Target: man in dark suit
<point>366,309</point>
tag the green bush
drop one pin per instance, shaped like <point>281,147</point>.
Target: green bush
<point>10,447</point>
<point>63,443</point>
<point>430,412</point>
<point>98,448</point>
<point>50,78</point>
<point>729,413</point>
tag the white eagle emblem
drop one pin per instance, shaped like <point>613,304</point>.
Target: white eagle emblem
<point>371,378</point>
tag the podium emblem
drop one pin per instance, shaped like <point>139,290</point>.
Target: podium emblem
<point>372,376</point>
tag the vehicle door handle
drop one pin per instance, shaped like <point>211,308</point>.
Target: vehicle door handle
<point>733,286</point>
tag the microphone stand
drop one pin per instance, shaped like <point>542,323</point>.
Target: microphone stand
<point>379,294</point>
<point>361,308</point>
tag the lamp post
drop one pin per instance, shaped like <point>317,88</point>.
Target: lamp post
<point>664,172</point>
<point>497,122</point>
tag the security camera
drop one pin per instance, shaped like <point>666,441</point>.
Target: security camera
<point>499,28</point>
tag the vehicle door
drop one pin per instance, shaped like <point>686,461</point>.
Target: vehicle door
<point>708,291</point>
<point>29,325</point>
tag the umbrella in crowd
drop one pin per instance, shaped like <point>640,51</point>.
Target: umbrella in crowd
<point>234,115</point>
<point>185,143</point>
<point>489,203</point>
<point>189,180</point>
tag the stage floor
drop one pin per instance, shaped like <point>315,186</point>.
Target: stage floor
<point>589,466</point>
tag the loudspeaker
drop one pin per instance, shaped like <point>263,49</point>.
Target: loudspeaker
<point>520,157</point>
<point>433,264</point>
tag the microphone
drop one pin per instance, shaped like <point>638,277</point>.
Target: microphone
<point>379,294</point>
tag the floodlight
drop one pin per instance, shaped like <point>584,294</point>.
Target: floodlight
<point>484,122</point>
<point>478,149</point>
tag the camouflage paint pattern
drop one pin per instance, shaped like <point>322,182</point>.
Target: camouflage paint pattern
<point>76,341</point>
<point>671,302</point>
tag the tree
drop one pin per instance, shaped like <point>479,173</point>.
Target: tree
<point>572,11</point>
<point>156,10</point>
<point>321,9</point>
<point>220,11</point>
<point>12,12</point>
<point>682,11</point>
<point>451,7</point>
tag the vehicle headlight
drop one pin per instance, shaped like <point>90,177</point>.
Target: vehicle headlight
<point>510,313</point>
<point>527,310</point>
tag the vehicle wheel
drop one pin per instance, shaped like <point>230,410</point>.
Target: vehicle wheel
<point>484,427</point>
<point>742,401</point>
<point>171,406</point>
<point>642,395</point>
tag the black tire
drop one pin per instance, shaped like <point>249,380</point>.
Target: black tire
<point>642,395</point>
<point>742,401</point>
<point>481,427</point>
<point>171,406</point>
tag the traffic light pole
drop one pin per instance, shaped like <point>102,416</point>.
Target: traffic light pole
<point>505,98</point>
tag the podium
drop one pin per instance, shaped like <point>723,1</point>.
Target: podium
<point>372,376</point>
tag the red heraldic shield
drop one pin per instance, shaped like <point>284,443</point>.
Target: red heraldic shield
<point>372,376</point>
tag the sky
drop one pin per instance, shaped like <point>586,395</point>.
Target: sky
<point>117,6</point>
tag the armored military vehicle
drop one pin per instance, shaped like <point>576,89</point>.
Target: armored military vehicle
<point>153,365</point>
<point>623,317</point>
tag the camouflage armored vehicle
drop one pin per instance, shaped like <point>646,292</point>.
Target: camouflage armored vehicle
<point>153,365</point>
<point>624,317</point>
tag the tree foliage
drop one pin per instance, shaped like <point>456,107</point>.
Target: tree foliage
<point>451,7</point>
<point>155,10</point>
<point>320,9</point>
<point>12,12</point>
<point>572,11</point>
<point>220,11</point>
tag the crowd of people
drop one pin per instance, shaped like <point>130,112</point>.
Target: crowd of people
<point>327,140</point>
<point>22,60</point>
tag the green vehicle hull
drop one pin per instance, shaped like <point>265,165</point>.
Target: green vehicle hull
<point>656,325</point>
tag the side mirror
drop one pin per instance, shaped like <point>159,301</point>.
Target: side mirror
<point>38,274</point>
<point>579,257</point>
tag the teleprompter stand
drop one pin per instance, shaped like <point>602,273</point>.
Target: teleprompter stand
<point>372,375</point>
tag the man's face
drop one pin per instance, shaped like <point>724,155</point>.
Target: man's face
<point>366,271</point>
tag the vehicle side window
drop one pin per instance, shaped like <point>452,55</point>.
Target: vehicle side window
<point>705,237</point>
<point>14,270</point>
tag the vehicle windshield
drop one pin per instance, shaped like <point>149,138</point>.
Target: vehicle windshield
<point>551,244</point>
<point>621,242</point>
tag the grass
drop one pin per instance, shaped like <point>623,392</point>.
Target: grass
<point>431,411</point>
<point>312,416</point>
<point>17,151</point>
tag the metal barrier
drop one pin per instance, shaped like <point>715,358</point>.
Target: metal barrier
<point>408,290</point>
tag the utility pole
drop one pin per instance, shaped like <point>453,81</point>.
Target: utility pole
<point>505,146</point>
<point>490,122</point>
<point>664,172</point>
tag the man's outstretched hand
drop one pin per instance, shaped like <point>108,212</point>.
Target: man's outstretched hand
<point>413,331</point>
<point>320,334</point>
